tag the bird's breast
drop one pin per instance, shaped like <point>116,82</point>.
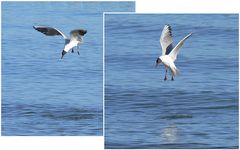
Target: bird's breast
<point>70,45</point>
<point>166,61</point>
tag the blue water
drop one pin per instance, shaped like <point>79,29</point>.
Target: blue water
<point>197,110</point>
<point>41,94</point>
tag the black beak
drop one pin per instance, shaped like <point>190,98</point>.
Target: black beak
<point>156,65</point>
<point>63,53</point>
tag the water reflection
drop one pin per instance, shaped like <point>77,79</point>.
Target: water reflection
<point>169,134</point>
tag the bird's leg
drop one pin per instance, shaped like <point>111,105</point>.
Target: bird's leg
<point>165,78</point>
<point>78,50</point>
<point>172,78</point>
<point>72,50</point>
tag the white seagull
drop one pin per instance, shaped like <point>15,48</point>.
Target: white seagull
<point>169,54</point>
<point>76,37</point>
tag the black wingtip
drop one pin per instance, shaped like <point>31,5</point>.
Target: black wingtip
<point>168,25</point>
<point>36,28</point>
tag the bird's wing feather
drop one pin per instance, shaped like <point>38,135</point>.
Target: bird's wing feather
<point>173,54</point>
<point>49,31</point>
<point>166,40</point>
<point>77,35</point>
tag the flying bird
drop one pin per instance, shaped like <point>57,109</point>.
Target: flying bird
<point>76,37</point>
<point>169,53</point>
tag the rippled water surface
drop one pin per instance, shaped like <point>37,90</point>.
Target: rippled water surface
<point>197,110</point>
<point>41,94</point>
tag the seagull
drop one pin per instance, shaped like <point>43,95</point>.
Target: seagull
<point>169,54</point>
<point>76,37</point>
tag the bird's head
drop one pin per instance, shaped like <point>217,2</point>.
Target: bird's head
<point>158,61</point>
<point>77,32</point>
<point>84,31</point>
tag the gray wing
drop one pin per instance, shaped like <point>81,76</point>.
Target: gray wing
<point>166,40</point>
<point>78,34</point>
<point>49,31</point>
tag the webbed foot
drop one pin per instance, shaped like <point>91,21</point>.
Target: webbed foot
<point>165,78</point>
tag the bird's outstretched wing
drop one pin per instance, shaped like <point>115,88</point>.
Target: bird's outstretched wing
<point>166,40</point>
<point>49,31</point>
<point>173,54</point>
<point>77,34</point>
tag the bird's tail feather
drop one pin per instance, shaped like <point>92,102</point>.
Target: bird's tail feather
<point>177,71</point>
<point>174,70</point>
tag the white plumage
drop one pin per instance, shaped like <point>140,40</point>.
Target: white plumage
<point>76,37</point>
<point>169,54</point>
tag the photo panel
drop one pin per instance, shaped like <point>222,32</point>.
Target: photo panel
<point>171,81</point>
<point>44,93</point>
